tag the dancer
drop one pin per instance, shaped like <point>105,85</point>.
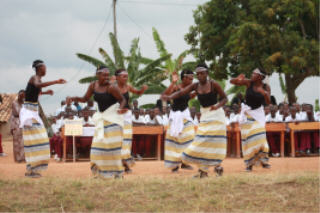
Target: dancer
<point>105,154</point>
<point>36,141</point>
<point>180,132</point>
<point>16,131</point>
<point>209,145</point>
<point>252,120</point>
<point>122,81</point>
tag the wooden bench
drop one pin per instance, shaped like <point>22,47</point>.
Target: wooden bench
<point>278,127</point>
<point>150,130</point>
<point>235,128</point>
<point>136,130</point>
<point>300,127</point>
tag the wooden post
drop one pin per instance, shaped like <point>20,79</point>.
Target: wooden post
<point>238,141</point>
<point>159,146</point>
<point>114,19</point>
<point>292,143</point>
<point>74,148</point>
<point>64,146</point>
<point>282,143</point>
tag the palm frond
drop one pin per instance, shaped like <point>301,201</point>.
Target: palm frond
<point>155,89</point>
<point>108,60</point>
<point>282,85</point>
<point>95,62</point>
<point>134,59</point>
<point>117,52</point>
<point>159,43</point>
<point>179,60</point>
<point>87,80</point>
<point>145,60</point>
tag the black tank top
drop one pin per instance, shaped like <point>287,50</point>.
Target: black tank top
<point>126,96</point>
<point>254,99</point>
<point>180,103</point>
<point>104,100</point>
<point>208,99</point>
<point>32,93</point>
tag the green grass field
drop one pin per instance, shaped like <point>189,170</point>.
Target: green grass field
<point>232,193</point>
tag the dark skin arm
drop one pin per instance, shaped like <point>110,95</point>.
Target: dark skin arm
<point>173,86</point>
<point>222,95</point>
<point>179,93</point>
<point>85,98</point>
<point>35,80</point>
<point>48,92</point>
<point>240,81</point>
<point>136,91</point>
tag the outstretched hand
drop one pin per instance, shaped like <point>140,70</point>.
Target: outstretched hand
<point>50,92</point>
<point>122,111</point>
<point>61,81</point>
<point>241,76</point>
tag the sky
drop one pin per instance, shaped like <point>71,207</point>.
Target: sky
<point>55,30</point>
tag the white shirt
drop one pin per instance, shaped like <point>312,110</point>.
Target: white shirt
<point>59,110</point>
<point>302,116</point>
<point>148,120</point>
<point>277,118</point>
<point>140,120</point>
<point>89,122</point>
<point>227,121</point>
<point>317,116</point>
<point>234,118</point>
<point>159,119</point>
<point>60,122</point>
<point>290,119</point>
<point>55,128</point>
<point>165,119</point>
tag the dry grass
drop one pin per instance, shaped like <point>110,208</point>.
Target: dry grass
<point>232,193</point>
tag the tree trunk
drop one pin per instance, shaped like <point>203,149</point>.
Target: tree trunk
<point>290,88</point>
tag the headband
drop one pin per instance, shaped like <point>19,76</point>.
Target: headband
<point>37,65</point>
<point>201,69</point>
<point>257,71</point>
<point>102,70</point>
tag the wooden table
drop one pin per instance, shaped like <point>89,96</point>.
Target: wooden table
<point>300,127</point>
<point>278,127</point>
<point>150,130</point>
<point>236,129</point>
<point>136,130</point>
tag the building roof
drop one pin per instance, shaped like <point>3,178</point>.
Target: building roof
<point>6,106</point>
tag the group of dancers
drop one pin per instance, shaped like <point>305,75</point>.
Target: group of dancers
<point>110,154</point>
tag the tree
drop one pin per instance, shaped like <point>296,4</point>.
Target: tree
<point>280,36</point>
<point>172,65</point>
<point>140,70</point>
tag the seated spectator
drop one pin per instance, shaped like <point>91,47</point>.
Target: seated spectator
<point>158,116</point>
<point>273,115</point>
<point>227,112</point>
<point>137,120</point>
<point>235,115</point>
<point>61,108</point>
<point>56,141</point>
<point>86,120</point>
<point>266,110</point>
<point>135,104</point>
<point>78,107</point>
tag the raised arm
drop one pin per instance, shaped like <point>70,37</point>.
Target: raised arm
<point>85,98</point>
<point>173,85</point>
<point>137,91</point>
<point>37,82</point>
<point>266,94</point>
<point>223,97</point>
<point>240,81</point>
<point>181,92</point>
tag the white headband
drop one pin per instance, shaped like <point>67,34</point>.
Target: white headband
<point>38,65</point>
<point>257,71</point>
<point>102,70</point>
<point>201,69</point>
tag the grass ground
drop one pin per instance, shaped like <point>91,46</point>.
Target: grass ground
<point>233,193</point>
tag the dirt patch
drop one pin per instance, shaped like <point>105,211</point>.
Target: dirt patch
<point>79,170</point>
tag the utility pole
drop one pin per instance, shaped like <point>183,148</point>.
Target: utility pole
<point>114,19</point>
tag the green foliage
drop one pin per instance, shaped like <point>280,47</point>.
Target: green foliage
<point>280,36</point>
<point>194,103</point>
<point>141,70</point>
<point>316,105</point>
<point>147,106</point>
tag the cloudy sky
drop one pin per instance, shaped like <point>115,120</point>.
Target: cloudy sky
<point>55,31</point>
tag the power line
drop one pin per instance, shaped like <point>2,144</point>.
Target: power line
<point>90,51</point>
<point>133,21</point>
